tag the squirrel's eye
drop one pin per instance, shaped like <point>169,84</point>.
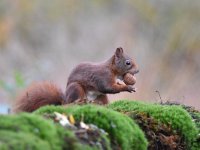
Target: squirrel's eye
<point>128,62</point>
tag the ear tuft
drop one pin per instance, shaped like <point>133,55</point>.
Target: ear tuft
<point>119,52</point>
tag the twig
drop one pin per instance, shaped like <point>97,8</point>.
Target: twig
<point>159,96</point>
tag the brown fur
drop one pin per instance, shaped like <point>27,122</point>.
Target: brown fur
<point>37,95</point>
<point>87,82</point>
<point>100,78</point>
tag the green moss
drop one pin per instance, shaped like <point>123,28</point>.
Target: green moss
<point>34,132</point>
<point>195,114</point>
<point>51,109</point>
<point>21,141</point>
<point>68,140</point>
<point>56,136</point>
<point>175,116</point>
<point>121,129</point>
<point>30,123</point>
<point>196,117</point>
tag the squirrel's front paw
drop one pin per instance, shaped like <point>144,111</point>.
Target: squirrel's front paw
<point>131,89</point>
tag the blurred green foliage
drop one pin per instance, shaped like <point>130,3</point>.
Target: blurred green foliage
<point>15,86</point>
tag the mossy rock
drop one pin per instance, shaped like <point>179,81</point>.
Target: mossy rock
<point>38,129</point>
<point>175,116</point>
<point>33,124</point>
<point>20,141</point>
<point>93,138</point>
<point>195,114</point>
<point>196,117</point>
<point>35,131</point>
<point>123,132</point>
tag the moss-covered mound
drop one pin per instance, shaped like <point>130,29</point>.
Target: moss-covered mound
<point>20,141</point>
<point>89,135</point>
<point>34,132</point>
<point>122,131</point>
<point>195,114</point>
<point>121,125</point>
<point>174,117</point>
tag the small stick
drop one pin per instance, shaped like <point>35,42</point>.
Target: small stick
<point>159,96</point>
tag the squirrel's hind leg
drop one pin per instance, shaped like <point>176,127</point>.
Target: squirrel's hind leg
<point>74,92</point>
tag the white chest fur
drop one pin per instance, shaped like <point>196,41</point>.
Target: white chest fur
<point>92,95</point>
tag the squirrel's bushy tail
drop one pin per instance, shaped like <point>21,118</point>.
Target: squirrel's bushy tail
<point>37,95</point>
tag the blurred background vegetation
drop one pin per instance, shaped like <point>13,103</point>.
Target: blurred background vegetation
<point>44,40</point>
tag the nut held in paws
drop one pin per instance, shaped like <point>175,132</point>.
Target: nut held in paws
<point>129,79</point>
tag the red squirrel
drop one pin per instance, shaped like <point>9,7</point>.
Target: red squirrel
<point>87,81</point>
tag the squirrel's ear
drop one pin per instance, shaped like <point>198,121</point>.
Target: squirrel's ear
<point>119,52</point>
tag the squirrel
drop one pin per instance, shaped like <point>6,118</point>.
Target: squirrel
<point>87,82</point>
